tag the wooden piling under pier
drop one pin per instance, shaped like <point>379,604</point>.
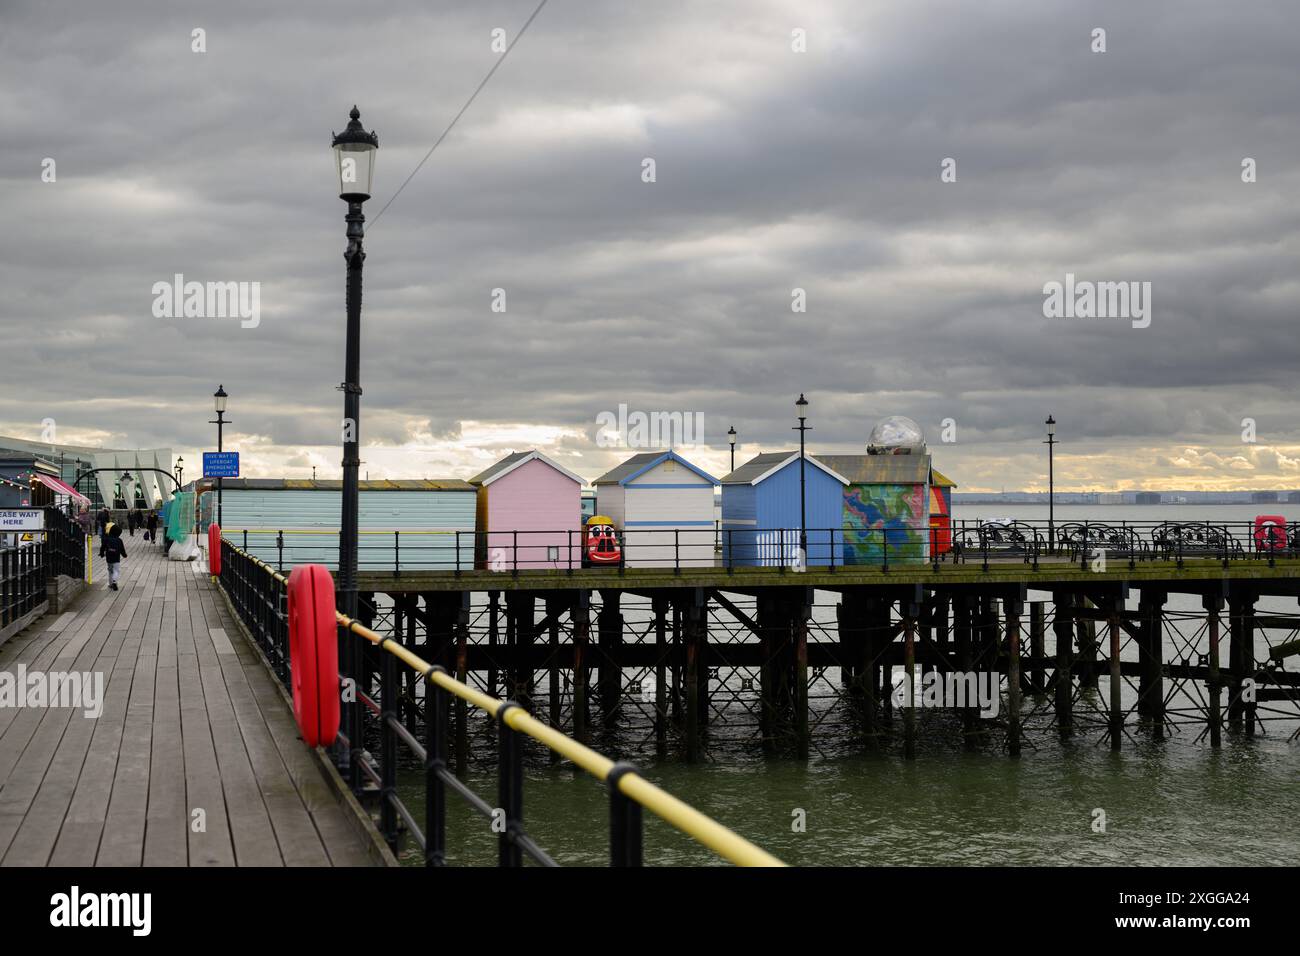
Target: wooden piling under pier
<point>1116,679</point>
<point>581,618</point>
<point>963,615</point>
<point>909,666</point>
<point>1013,610</point>
<point>660,610</point>
<point>1213,605</point>
<point>1151,684</point>
<point>1063,677</point>
<point>1037,650</point>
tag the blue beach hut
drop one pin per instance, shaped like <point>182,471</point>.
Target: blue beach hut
<point>760,511</point>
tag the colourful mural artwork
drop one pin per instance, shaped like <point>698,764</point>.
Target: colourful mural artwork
<point>878,514</point>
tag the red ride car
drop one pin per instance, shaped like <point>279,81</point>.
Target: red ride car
<point>600,545</point>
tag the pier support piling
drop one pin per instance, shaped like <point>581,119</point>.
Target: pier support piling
<point>910,611</point>
<point>1037,649</point>
<point>494,636</point>
<point>694,615</point>
<point>1213,606</point>
<point>555,605</point>
<point>1151,682</point>
<point>1241,661</point>
<point>660,608</point>
<point>609,624</point>
<point>462,673</point>
<point>769,630</point>
<point>581,640</point>
<point>1012,610</point>
<point>963,607</point>
<point>1062,677</point>
<point>1114,609</point>
<point>1087,656</point>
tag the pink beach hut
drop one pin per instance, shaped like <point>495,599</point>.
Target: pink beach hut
<point>528,514</point>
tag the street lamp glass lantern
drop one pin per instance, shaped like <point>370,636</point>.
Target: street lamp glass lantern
<point>219,399</point>
<point>354,159</point>
<point>731,435</point>
<point>801,406</point>
<point>1051,426</point>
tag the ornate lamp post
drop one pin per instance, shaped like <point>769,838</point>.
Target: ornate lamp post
<point>354,155</point>
<point>1051,484</point>
<point>801,412</point>
<point>731,437</point>
<point>180,470</point>
<point>219,404</point>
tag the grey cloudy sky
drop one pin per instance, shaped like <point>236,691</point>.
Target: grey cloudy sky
<point>775,169</point>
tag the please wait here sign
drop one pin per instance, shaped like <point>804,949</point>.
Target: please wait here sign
<point>22,519</point>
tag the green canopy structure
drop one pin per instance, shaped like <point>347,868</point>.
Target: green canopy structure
<point>180,516</point>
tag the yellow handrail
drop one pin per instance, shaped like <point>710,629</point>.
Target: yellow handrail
<point>725,842</point>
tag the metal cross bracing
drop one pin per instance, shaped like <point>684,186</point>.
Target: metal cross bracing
<point>635,677</point>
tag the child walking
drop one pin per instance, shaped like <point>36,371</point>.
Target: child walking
<point>112,550</point>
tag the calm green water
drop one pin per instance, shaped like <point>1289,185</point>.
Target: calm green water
<point>1173,803</point>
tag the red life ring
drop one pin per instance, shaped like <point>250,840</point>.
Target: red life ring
<point>1270,533</point>
<point>214,550</point>
<point>314,654</point>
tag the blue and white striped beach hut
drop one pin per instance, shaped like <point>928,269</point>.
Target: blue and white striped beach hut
<point>663,506</point>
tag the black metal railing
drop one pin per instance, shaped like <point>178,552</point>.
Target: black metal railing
<point>404,551</point>
<point>261,601</point>
<point>22,580</point>
<point>830,549</point>
<point>257,591</point>
<point>65,545</point>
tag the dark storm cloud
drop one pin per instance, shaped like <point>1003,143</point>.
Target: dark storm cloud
<point>775,170</point>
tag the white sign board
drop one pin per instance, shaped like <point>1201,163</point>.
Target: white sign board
<point>22,519</point>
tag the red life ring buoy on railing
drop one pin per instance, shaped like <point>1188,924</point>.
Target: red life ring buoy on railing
<point>314,653</point>
<point>214,550</point>
<point>1270,533</point>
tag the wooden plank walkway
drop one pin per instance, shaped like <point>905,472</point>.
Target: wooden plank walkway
<point>191,722</point>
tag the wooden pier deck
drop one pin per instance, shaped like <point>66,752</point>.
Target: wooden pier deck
<point>191,722</point>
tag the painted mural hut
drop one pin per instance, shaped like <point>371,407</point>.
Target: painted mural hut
<point>528,513</point>
<point>663,506</point>
<point>761,513</point>
<point>886,506</point>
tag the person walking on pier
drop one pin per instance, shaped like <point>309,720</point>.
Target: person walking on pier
<point>131,519</point>
<point>113,551</point>
<point>151,527</point>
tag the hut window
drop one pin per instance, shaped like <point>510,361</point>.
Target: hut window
<point>552,552</point>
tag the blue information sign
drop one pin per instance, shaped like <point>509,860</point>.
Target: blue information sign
<point>221,464</point>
